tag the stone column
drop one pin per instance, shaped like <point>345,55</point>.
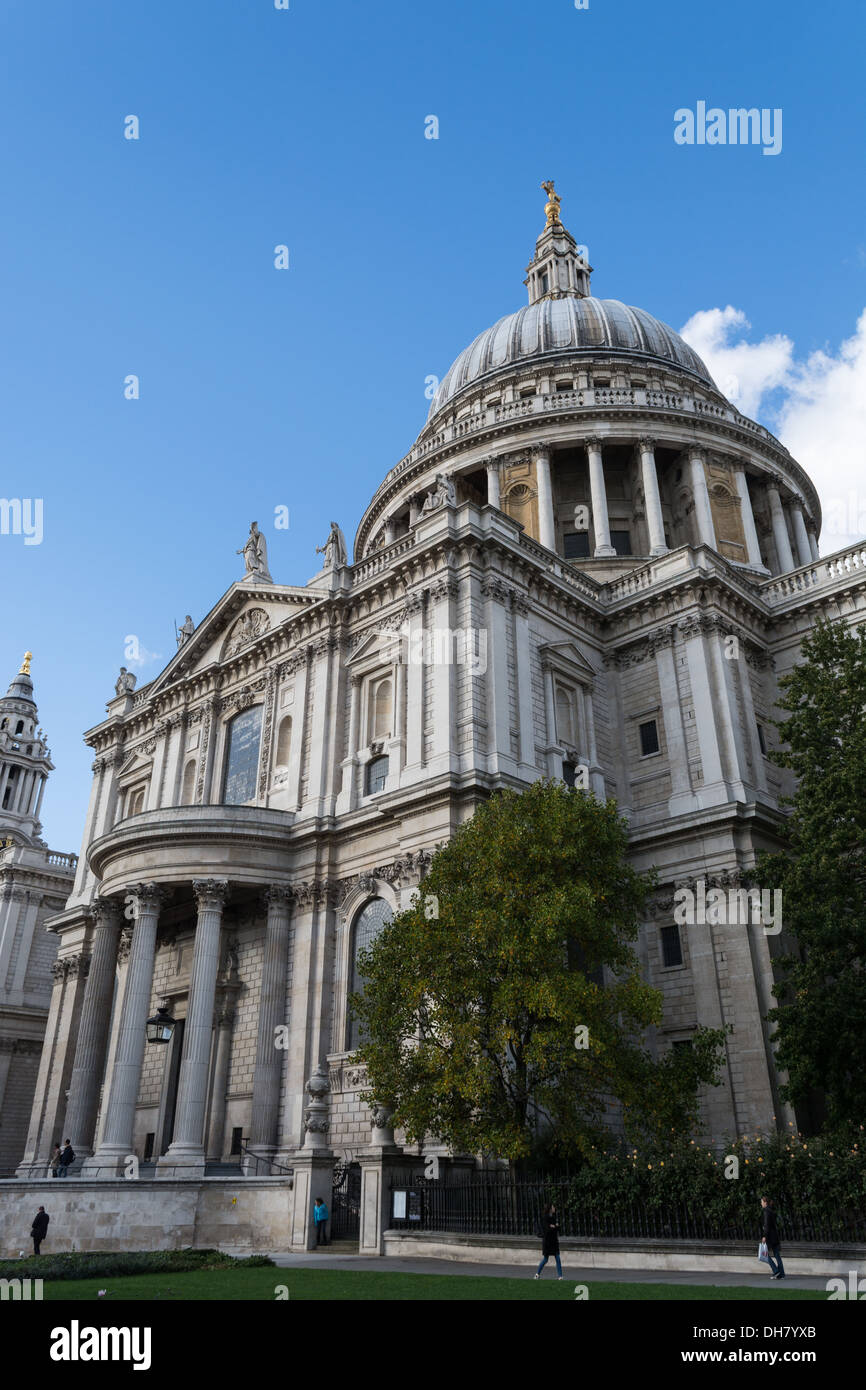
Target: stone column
<point>801,535</point>
<point>553,751</point>
<point>349,765</point>
<point>443,686</point>
<point>92,1044</point>
<point>681,799</point>
<point>546,527</point>
<point>652,499</point>
<point>186,1150</point>
<point>117,1131</point>
<point>703,511</point>
<point>272,1008</point>
<point>813,545</point>
<point>225,1017</point>
<point>753,547</point>
<point>784,553</point>
<point>493,493</point>
<point>600,524</point>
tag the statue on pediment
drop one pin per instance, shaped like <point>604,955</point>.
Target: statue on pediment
<point>255,554</point>
<point>125,683</point>
<point>334,549</point>
<point>185,631</point>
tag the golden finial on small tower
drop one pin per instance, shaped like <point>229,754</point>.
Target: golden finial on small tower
<point>551,207</point>
<point>25,665</point>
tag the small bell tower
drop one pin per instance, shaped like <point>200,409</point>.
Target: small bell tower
<point>558,270</point>
<point>25,762</point>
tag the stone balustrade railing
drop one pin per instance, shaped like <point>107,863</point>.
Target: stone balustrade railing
<point>818,575</point>
<point>587,398</point>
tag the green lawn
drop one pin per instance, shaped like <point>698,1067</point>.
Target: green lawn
<point>331,1284</point>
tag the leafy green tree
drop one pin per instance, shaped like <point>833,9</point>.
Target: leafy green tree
<point>476,999</point>
<point>821,1015</point>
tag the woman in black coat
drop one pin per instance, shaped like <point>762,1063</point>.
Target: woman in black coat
<point>550,1240</point>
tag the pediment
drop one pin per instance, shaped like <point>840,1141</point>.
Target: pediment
<point>567,658</point>
<point>244,614</point>
<point>137,762</point>
<point>374,648</point>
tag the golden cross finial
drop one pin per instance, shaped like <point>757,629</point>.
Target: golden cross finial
<point>551,207</point>
<point>25,665</point>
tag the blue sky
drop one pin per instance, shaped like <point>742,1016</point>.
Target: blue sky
<point>262,388</point>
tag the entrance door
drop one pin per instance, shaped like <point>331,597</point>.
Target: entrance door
<point>345,1220</point>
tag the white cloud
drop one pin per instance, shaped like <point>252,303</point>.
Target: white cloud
<point>818,407</point>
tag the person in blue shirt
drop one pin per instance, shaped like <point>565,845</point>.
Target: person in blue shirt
<point>320,1218</point>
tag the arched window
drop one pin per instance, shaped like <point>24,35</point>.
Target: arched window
<point>19,727</point>
<point>564,716</point>
<point>366,927</point>
<point>284,741</point>
<point>188,789</point>
<point>242,757</point>
<point>381,711</point>
<point>136,802</point>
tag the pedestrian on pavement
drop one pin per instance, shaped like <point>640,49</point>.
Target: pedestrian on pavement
<point>770,1232</point>
<point>55,1161</point>
<point>550,1240</point>
<point>39,1229</point>
<point>320,1218</point>
<point>67,1158</point>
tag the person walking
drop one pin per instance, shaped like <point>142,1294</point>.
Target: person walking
<point>67,1158</point>
<point>55,1161</point>
<point>770,1231</point>
<point>550,1240</point>
<point>39,1229</point>
<point>320,1218</point>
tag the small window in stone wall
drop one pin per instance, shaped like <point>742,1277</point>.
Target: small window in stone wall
<point>621,542</point>
<point>576,545</point>
<point>377,772</point>
<point>761,741</point>
<point>672,949</point>
<point>237,1139</point>
<point>649,738</point>
<point>284,741</point>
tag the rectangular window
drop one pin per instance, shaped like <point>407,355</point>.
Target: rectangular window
<point>568,774</point>
<point>621,542</point>
<point>237,1137</point>
<point>761,741</point>
<point>148,1147</point>
<point>576,545</point>
<point>672,950</point>
<point>377,771</point>
<point>649,738</point>
<point>545,284</point>
<point>682,1042</point>
<point>242,758</point>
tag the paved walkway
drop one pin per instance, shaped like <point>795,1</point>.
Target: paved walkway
<point>396,1264</point>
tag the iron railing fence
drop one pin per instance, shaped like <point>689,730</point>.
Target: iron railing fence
<point>505,1204</point>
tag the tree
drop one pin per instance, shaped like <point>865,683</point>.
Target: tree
<point>476,998</point>
<point>821,1015</point>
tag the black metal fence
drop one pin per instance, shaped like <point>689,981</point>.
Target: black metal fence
<point>505,1204</point>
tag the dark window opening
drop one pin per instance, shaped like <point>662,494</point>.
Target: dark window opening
<point>19,727</point>
<point>682,1042</point>
<point>545,284</point>
<point>621,542</point>
<point>672,950</point>
<point>761,741</point>
<point>576,545</point>
<point>569,772</point>
<point>237,1136</point>
<point>377,771</point>
<point>149,1141</point>
<point>649,738</point>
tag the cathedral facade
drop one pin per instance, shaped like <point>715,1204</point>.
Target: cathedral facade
<point>589,566</point>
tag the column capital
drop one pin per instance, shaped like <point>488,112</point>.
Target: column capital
<point>211,892</point>
<point>148,895</point>
<point>697,451</point>
<point>647,443</point>
<point>593,443</point>
<point>279,895</point>
<point>106,911</point>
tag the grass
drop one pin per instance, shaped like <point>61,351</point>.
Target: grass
<point>317,1285</point>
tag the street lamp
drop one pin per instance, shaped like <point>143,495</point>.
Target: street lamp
<point>160,1027</point>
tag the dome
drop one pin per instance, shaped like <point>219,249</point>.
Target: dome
<point>553,327</point>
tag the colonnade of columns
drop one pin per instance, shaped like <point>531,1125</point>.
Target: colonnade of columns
<point>805,543</point>
<point>187,1152</point>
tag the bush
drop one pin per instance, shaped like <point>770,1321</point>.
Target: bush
<point>79,1264</point>
<point>819,1181</point>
